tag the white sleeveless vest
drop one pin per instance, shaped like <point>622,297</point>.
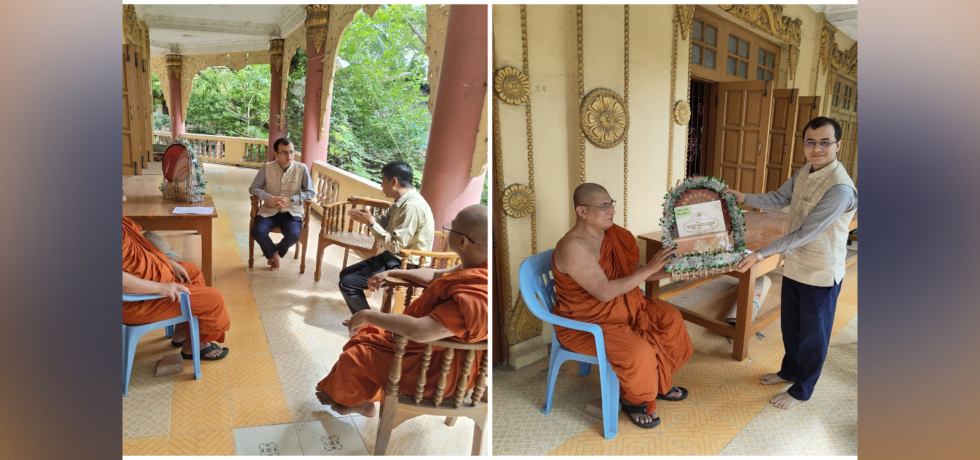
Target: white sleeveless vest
<point>283,183</point>
<point>820,262</point>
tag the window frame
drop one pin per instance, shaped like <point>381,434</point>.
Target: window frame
<point>724,28</point>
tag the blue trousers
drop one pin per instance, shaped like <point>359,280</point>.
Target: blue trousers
<point>807,320</point>
<point>288,224</point>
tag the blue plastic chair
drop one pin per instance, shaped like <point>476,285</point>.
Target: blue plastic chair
<point>132,334</point>
<point>538,290</point>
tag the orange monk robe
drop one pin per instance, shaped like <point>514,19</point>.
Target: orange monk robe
<point>142,259</point>
<point>457,300</point>
<point>646,340</point>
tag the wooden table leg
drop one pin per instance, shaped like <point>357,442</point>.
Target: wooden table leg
<point>205,230</point>
<point>743,315</point>
<point>652,288</point>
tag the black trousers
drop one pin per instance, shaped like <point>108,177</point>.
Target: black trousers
<point>353,279</point>
<point>807,321</point>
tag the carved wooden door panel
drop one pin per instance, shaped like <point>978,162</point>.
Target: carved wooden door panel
<point>782,128</point>
<point>499,306</point>
<point>806,110</point>
<point>743,112</point>
<point>130,126</point>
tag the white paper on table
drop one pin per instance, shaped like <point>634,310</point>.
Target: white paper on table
<point>748,251</point>
<point>193,210</point>
<point>700,219</point>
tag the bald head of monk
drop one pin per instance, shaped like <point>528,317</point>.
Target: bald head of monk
<point>468,237</point>
<point>594,208</point>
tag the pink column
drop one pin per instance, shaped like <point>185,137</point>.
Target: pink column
<point>314,148</point>
<point>174,104</point>
<point>446,182</point>
<point>275,96</point>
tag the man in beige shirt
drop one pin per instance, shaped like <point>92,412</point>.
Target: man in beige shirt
<point>406,224</point>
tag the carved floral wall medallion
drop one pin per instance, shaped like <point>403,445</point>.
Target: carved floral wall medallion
<point>682,112</point>
<point>518,200</point>
<point>604,118</point>
<point>512,86</point>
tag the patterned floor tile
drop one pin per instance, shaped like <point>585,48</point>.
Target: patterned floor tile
<point>534,389</point>
<point>143,381</point>
<point>844,356</point>
<point>735,404</point>
<point>153,348</point>
<point>214,375</point>
<point>572,448</point>
<point>330,437</point>
<point>303,366</point>
<point>700,381</point>
<point>630,439</point>
<point>750,378</point>
<point>443,439</point>
<point>508,407</point>
<point>303,404</point>
<point>256,406</point>
<point>783,429</point>
<point>279,440</point>
<point>247,342</point>
<point>404,440</point>
<point>826,394</point>
<point>329,352</point>
<point>663,446</point>
<point>569,411</point>
<point>747,444</point>
<point>702,432</point>
<point>146,446</point>
<point>146,416</point>
<point>838,435</point>
<point>772,358</point>
<point>206,410</point>
<point>532,435</point>
<point>203,443</point>
<point>670,411</point>
<point>251,370</point>
<point>245,319</point>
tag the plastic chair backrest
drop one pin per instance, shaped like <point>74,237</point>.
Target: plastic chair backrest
<point>538,285</point>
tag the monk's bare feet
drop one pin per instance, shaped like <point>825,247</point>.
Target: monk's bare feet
<point>677,393</point>
<point>187,350</point>
<point>772,379</point>
<point>275,262</point>
<point>324,398</point>
<point>784,401</point>
<point>367,409</point>
<point>179,335</point>
<point>641,418</point>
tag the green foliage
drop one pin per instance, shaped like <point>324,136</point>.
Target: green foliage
<point>229,103</point>
<point>161,122</point>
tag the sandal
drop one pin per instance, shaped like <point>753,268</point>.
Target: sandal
<point>682,397</point>
<point>178,344</point>
<point>210,348</point>
<point>641,409</point>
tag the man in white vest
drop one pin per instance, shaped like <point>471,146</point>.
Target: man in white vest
<point>282,186</point>
<point>822,199</point>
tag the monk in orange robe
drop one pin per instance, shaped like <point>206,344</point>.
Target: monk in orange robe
<point>597,273</point>
<point>146,270</point>
<point>453,307</point>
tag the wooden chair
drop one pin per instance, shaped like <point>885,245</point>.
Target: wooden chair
<point>304,235</point>
<point>327,189</point>
<point>340,229</point>
<point>441,240</point>
<point>398,293</point>
<point>467,401</point>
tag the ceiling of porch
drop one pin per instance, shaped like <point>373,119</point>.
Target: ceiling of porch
<point>206,29</point>
<point>843,17</point>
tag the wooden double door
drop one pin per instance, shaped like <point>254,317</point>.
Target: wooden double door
<point>137,115</point>
<point>758,134</point>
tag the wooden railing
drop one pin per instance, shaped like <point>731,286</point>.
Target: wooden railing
<point>240,151</point>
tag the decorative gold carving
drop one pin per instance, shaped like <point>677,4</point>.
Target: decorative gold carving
<point>826,46</point>
<point>518,200</point>
<point>317,17</point>
<point>581,88</point>
<point>530,145</point>
<point>522,325</point>
<point>769,19</point>
<point>626,111</point>
<point>173,66</point>
<point>512,86</point>
<point>130,24</point>
<point>682,112</point>
<point>275,54</point>
<point>684,17</point>
<point>498,176</point>
<point>679,24</point>
<point>603,118</point>
<point>846,61</point>
<point>793,61</point>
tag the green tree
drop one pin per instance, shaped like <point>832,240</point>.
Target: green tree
<point>229,103</point>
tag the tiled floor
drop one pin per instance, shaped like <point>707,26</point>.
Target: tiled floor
<point>728,410</point>
<point>285,336</point>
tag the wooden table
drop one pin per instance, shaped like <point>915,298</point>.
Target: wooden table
<point>146,206</point>
<point>762,229</point>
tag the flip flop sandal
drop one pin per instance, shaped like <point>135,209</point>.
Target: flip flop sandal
<point>628,409</point>
<point>210,348</point>
<point>682,397</point>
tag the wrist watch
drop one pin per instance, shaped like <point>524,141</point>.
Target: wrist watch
<point>760,256</point>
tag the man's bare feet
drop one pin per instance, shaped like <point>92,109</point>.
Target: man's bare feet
<point>784,401</point>
<point>179,334</point>
<point>275,262</point>
<point>772,379</point>
<point>268,262</point>
<point>367,409</point>
<point>186,349</point>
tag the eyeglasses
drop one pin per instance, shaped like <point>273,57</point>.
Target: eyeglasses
<point>449,229</point>
<point>288,152</point>
<point>823,144</point>
<point>604,207</point>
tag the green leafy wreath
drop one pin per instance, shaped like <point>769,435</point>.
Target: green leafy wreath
<point>705,263</point>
